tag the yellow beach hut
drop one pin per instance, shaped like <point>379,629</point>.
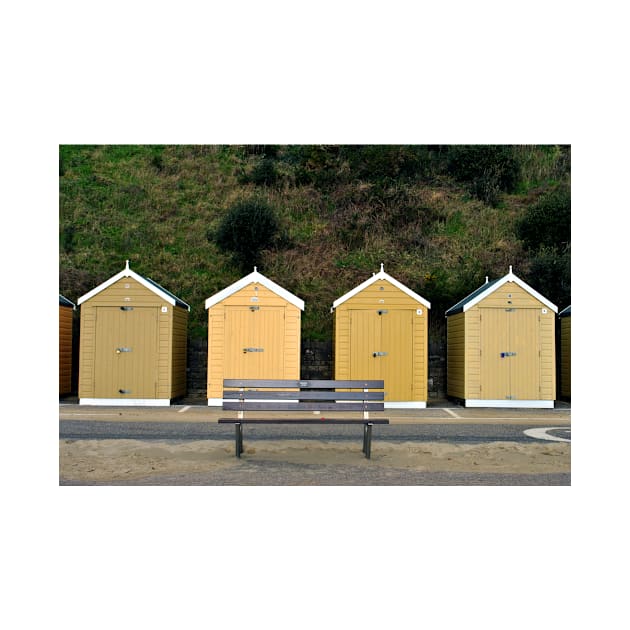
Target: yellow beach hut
<point>66,310</point>
<point>253,332</point>
<point>501,346</point>
<point>381,332</point>
<point>565,352</point>
<point>133,343</point>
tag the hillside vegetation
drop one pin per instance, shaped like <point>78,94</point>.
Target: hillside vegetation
<point>318,220</point>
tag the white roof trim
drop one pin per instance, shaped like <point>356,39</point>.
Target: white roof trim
<point>127,273</point>
<point>255,278</point>
<point>381,275</point>
<point>510,277</point>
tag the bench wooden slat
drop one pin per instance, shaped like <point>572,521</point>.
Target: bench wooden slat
<point>303,421</point>
<point>303,384</point>
<point>303,395</point>
<point>302,406</point>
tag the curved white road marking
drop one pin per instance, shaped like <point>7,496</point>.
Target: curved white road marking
<point>541,434</point>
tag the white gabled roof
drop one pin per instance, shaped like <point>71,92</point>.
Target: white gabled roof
<point>509,277</point>
<point>381,275</point>
<point>167,296</point>
<point>255,278</point>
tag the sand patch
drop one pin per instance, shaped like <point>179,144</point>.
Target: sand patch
<point>110,460</point>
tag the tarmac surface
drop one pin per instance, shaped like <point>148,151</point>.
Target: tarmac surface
<point>436,411</point>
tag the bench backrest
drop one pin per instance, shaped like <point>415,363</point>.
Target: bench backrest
<point>302,395</point>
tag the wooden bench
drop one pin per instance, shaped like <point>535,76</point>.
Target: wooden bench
<point>303,396</point>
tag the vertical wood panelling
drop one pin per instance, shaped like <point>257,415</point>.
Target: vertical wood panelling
<point>565,356</point>
<point>524,341</point>
<point>473,353</point>
<point>547,355</point>
<point>65,349</point>
<point>455,356</point>
<point>87,341</point>
<point>216,350</point>
<point>494,337</point>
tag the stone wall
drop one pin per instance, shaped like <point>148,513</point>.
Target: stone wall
<point>317,360</point>
<point>197,368</point>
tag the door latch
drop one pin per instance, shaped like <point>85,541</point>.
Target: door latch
<point>508,354</point>
<point>119,350</point>
<point>253,350</point>
<point>379,354</point>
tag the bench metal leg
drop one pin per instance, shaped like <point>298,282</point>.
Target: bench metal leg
<point>238,427</point>
<point>367,439</point>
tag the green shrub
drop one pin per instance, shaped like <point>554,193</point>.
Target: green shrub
<point>548,222</point>
<point>248,227</point>
<point>489,170</point>
<point>264,173</point>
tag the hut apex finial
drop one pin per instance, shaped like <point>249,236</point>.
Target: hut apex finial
<point>126,265</point>
<point>486,279</point>
<point>510,268</point>
<point>255,269</point>
<point>382,270</point>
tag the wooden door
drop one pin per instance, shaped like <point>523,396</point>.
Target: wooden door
<point>510,354</point>
<point>397,362</point>
<point>525,361</point>
<point>365,340</point>
<point>126,352</point>
<point>254,342</point>
<point>494,342</point>
<point>381,348</point>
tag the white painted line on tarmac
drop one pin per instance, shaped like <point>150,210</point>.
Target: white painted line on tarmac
<point>541,434</point>
<point>186,408</point>
<point>452,413</point>
<point>79,413</point>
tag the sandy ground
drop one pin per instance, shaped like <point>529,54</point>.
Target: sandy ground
<point>115,460</point>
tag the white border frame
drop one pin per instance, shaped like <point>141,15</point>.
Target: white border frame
<point>126,402</point>
<point>506,404</point>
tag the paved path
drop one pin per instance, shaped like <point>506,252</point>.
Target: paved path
<point>470,433</point>
<point>286,474</point>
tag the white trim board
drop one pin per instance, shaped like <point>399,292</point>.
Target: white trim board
<point>411,404</point>
<point>510,277</point>
<point>255,278</point>
<point>128,273</point>
<point>381,275</point>
<point>506,404</point>
<point>126,402</point>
